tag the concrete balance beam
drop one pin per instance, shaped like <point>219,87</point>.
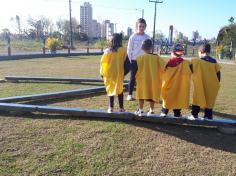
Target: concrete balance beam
<point>221,124</point>
<point>53,95</point>
<point>52,79</point>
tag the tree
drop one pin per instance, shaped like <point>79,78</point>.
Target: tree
<point>231,20</point>
<point>63,27</point>
<point>160,35</point>
<point>16,24</point>
<point>41,27</point>
<point>227,35</point>
<point>101,44</point>
<point>5,34</point>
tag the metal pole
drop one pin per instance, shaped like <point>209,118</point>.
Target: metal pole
<point>154,25</point>
<point>154,28</point>
<point>71,41</point>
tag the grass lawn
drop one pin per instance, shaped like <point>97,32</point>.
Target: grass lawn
<point>43,144</point>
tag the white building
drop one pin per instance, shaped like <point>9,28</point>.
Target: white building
<point>96,29</point>
<point>129,31</point>
<point>86,13</point>
<point>108,29</point>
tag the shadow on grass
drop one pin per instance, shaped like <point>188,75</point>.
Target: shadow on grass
<point>208,137</point>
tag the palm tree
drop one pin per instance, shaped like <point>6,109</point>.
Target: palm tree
<point>231,20</point>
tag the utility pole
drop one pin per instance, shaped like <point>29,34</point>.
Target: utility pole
<point>154,25</point>
<point>71,41</point>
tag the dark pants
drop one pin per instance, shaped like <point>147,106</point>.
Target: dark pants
<point>196,110</point>
<point>120,99</point>
<point>177,112</point>
<point>133,71</point>
<point>127,66</point>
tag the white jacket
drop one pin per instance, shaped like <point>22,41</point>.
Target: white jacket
<point>135,45</point>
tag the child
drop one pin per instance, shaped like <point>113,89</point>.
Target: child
<point>112,71</point>
<point>176,83</point>
<point>206,81</point>
<point>134,50</point>
<point>148,78</point>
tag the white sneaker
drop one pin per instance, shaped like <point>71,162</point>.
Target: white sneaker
<point>150,113</point>
<point>191,117</point>
<point>130,98</point>
<point>110,110</point>
<point>163,114</point>
<point>199,118</point>
<point>121,110</point>
<point>139,112</point>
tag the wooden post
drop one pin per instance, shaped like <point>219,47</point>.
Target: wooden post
<point>9,46</point>
<point>44,41</point>
<point>88,46</point>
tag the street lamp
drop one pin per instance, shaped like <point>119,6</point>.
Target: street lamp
<point>154,25</point>
<point>141,10</point>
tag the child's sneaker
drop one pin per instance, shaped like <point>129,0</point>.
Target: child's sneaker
<point>121,110</point>
<point>179,117</point>
<point>139,112</point>
<point>150,113</point>
<point>130,98</point>
<point>110,110</point>
<point>191,117</point>
<point>162,114</point>
<point>208,118</point>
<point>199,118</point>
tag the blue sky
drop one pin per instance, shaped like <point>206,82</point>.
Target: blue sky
<point>206,16</point>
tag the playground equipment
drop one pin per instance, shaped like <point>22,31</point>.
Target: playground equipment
<point>6,105</point>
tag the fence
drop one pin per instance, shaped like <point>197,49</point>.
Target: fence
<point>32,47</point>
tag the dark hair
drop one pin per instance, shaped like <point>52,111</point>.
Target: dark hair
<point>116,41</point>
<point>141,20</point>
<point>147,44</point>
<point>205,48</point>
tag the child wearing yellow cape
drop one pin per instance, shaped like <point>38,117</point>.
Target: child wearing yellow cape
<point>112,71</point>
<point>206,81</point>
<point>176,83</point>
<point>148,78</point>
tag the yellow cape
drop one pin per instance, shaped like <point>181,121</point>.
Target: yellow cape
<point>148,77</point>
<point>205,82</point>
<point>112,70</point>
<point>176,86</point>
